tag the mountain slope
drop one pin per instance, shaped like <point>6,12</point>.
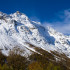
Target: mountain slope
<point>17,30</point>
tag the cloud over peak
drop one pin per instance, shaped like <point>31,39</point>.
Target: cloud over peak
<point>62,23</point>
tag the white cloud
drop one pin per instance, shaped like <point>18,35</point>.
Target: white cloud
<point>63,25</point>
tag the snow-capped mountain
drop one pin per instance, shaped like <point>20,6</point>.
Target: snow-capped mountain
<point>17,30</point>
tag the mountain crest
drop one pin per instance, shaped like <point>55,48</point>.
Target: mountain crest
<point>17,30</point>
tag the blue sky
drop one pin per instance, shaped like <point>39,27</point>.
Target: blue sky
<point>42,9</point>
<point>49,12</point>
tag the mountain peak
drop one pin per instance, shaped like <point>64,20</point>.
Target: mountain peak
<point>18,30</point>
<point>18,12</point>
<point>2,14</point>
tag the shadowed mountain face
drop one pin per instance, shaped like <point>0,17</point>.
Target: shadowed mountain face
<point>17,30</point>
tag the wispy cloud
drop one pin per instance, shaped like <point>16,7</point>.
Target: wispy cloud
<point>62,24</point>
<point>34,18</point>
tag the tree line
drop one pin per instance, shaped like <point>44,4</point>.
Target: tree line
<point>15,61</point>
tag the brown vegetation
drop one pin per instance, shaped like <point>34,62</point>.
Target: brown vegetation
<point>42,61</point>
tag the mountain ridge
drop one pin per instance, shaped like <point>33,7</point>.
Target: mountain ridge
<point>17,30</point>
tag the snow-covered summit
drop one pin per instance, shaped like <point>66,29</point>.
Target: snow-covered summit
<point>17,30</point>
